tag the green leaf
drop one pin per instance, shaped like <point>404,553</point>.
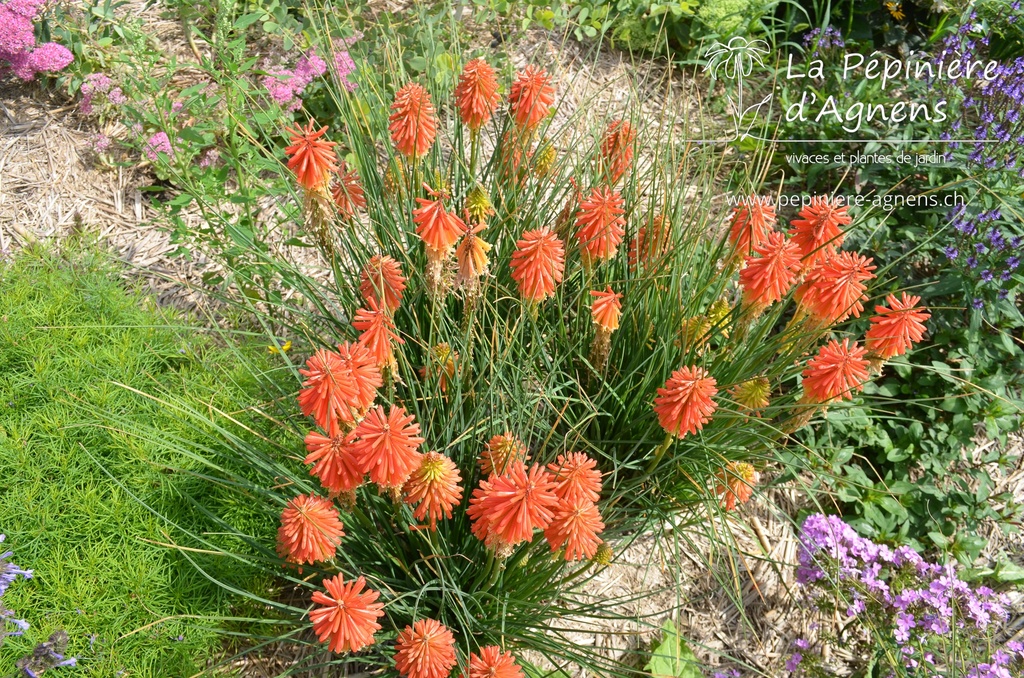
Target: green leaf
<point>673,658</point>
<point>247,20</point>
<point>1009,572</point>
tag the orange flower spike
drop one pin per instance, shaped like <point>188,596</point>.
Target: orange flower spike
<point>606,309</point>
<point>310,530</point>
<point>382,276</point>
<point>600,225</point>
<point>437,228</point>
<point>834,289</point>
<point>435,487</point>
<point>685,403</point>
<point>517,503</point>
<point>346,618</point>
<point>752,220</point>
<point>575,526</point>
<point>327,389</point>
<point>311,158</point>
<point>476,95</point>
<point>364,374</point>
<point>768,278</point>
<point>413,123</point>
<point>493,663</point>
<point>818,232</point>
<point>531,96</point>
<point>425,650</point>
<point>348,192</point>
<point>896,328</point>
<point>332,462</point>
<point>378,333</point>
<point>538,264</point>
<point>617,149</point>
<point>736,484</point>
<point>577,477</point>
<point>387,446</point>
<point>836,372</point>
<point>501,452</point>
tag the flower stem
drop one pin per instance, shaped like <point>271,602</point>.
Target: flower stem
<point>658,454</point>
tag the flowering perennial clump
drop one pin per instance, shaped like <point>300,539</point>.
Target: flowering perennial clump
<point>486,336</point>
<point>933,621</point>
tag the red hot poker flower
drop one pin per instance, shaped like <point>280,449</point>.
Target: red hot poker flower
<point>435,487</point>
<point>413,123</point>
<point>577,477</point>
<point>818,232</point>
<point>834,289</point>
<point>310,530</point>
<point>752,220</point>
<point>897,328</point>
<point>348,192</point>
<point>501,452</point>
<point>476,95</point>
<point>515,504</point>
<point>387,446</point>
<point>617,149</point>
<point>600,225</point>
<point>531,97</point>
<point>493,663</point>
<point>836,372</point>
<point>538,264</point>
<point>575,526</point>
<point>736,484</point>
<point>378,333</point>
<point>685,404</point>
<point>382,277</point>
<point>425,650</point>
<point>346,618</point>
<point>311,158</point>
<point>332,462</point>
<point>606,309</point>
<point>768,278</point>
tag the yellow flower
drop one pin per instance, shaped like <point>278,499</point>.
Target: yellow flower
<point>285,347</point>
<point>896,10</point>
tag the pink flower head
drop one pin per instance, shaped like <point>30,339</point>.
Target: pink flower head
<point>158,143</point>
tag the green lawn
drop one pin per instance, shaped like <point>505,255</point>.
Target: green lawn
<point>70,333</point>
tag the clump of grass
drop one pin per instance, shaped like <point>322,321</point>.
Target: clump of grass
<point>75,498</point>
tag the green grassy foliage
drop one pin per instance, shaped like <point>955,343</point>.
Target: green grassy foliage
<point>70,334</point>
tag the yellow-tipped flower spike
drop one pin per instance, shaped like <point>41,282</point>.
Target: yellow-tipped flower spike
<point>478,204</point>
<point>604,554</point>
<point>694,334</point>
<point>394,177</point>
<point>752,395</point>
<point>544,159</point>
<point>717,312</point>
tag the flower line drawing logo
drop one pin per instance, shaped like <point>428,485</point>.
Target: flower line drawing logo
<point>735,60</point>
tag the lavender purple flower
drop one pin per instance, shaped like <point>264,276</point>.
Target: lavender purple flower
<point>900,596</point>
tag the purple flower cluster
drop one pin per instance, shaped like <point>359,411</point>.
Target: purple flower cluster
<point>990,108</point>
<point>285,86</point>
<point>986,250</point>
<point>823,40</point>
<point>9,572</point>
<point>18,46</point>
<point>344,65</point>
<point>158,143</point>
<point>921,605</point>
<point>100,83</point>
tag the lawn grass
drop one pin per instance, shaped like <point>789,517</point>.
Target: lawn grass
<point>71,338</point>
